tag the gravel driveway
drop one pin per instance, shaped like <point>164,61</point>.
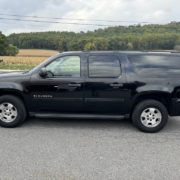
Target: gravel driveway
<point>88,150</point>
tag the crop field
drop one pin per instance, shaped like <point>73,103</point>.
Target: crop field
<point>25,60</point>
<point>36,53</point>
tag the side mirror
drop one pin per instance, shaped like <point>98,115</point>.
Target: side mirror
<point>43,72</point>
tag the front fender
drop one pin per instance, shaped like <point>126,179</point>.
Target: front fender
<point>10,86</point>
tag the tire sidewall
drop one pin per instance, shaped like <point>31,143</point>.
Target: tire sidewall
<point>149,104</point>
<point>20,111</point>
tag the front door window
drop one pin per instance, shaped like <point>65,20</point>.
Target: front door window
<point>68,66</point>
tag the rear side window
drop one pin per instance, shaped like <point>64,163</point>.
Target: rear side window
<point>155,65</point>
<point>104,66</point>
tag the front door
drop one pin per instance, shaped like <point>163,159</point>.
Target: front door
<point>61,91</point>
<point>105,91</point>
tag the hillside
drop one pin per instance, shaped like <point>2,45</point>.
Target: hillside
<point>147,37</point>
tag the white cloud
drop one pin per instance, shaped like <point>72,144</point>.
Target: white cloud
<point>155,11</point>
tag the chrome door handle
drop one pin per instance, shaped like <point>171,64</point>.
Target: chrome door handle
<point>116,85</point>
<point>74,85</point>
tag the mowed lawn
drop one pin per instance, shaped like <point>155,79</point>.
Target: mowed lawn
<point>26,59</point>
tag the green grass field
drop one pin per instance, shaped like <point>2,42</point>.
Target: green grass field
<point>16,66</point>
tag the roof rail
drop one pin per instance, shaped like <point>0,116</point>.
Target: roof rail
<point>161,51</point>
<point>175,51</point>
<point>156,51</point>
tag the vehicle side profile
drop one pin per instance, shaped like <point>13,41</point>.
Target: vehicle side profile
<point>143,86</point>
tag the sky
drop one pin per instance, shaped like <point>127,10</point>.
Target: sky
<point>127,12</point>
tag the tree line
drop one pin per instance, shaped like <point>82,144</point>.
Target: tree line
<point>135,37</point>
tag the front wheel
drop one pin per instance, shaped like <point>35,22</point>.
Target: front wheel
<point>150,116</point>
<point>12,111</point>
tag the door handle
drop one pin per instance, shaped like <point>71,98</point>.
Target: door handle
<point>116,85</point>
<point>74,85</point>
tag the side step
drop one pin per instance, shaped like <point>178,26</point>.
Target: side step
<point>79,116</point>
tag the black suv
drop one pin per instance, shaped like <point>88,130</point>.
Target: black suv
<point>143,86</point>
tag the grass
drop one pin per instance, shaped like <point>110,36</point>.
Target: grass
<point>16,66</point>
<point>26,59</point>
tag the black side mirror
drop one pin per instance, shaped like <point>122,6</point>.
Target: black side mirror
<point>43,72</point>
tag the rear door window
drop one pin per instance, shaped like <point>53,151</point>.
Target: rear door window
<point>101,66</point>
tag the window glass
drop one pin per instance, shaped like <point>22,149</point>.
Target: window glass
<point>155,65</point>
<point>104,66</point>
<point>68,66</point>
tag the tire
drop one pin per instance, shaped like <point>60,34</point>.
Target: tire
<point>12,111</point>
<point>150,116</point>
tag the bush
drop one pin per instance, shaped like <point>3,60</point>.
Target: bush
<point>12,50</point>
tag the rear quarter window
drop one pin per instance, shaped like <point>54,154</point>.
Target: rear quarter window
<point>155,65</point>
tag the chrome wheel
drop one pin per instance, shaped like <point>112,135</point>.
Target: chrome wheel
<point>151,117</point>
<point>8,112</point>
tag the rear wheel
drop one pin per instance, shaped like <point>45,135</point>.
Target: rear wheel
<point>12,111</point>
<point>150,116</point>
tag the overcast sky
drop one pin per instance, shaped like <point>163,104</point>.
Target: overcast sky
<point>131,11</point>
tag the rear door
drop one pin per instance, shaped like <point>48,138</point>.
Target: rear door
<point>104,88</point>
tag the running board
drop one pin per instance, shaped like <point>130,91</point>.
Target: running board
<point>79,116</point>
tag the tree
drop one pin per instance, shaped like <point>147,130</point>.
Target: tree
<point>90,46</point>
<point>3,44</point>
<point>5,48</point>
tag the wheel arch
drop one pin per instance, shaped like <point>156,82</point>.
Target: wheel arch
<point>14,92</point>
<point>163,97</point>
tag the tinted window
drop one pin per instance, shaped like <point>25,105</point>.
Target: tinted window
<point>155,65</point>
<point>104,66</point>
<point>68,66</point>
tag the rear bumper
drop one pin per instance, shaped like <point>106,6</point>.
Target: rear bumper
<point>174,109</point>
